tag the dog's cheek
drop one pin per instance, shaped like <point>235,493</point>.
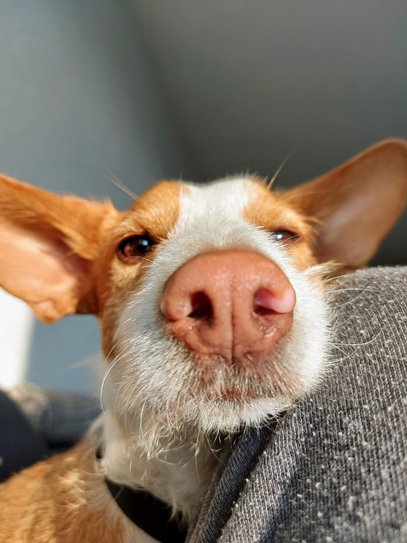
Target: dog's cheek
<point>117,284</point>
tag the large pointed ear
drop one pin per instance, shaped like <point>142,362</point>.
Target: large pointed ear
<point>47,247</point>
<point>356,204</point>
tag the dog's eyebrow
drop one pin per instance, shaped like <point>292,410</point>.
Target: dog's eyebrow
<point>273,180</point>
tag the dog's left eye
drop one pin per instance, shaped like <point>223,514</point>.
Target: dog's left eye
<point>133,247</point>
<point>284,235</point>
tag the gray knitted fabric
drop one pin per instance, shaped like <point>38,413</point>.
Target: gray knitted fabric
<point>332,469</point>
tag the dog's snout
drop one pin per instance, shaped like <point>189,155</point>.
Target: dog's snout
<point>229,303</point>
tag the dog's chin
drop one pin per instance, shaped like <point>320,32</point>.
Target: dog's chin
<point>226,400</point>
<point>210,412</point>
<point>231,416</point>
<point>181,407</point>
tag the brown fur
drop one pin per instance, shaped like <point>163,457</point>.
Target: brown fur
<point>63,499</point>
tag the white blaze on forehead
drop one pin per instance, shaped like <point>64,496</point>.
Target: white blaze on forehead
<point>211,217</point>
<point>224,198</point>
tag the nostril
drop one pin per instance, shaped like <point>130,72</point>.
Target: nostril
<point>263,302</point>
<point>266,302</point>
<point>201,306</point>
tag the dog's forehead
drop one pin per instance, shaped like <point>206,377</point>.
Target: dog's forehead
<point>226,196</point>
<point>171,204</point>
<point>248,198</point>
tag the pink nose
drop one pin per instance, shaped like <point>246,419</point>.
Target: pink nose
<point>231,303</point>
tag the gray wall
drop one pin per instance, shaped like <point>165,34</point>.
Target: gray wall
<point>249,80</point>
<point>76,91</point>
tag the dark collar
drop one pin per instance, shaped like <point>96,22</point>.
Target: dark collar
<point>146,511</point>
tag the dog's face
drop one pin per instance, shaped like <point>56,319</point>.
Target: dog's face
<point>211,298</point>
<point>222,319</point>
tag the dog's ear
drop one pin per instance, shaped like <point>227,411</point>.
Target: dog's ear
<point>48,244</point>
<point>356,204</point>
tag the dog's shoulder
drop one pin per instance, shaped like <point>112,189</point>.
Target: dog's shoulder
<point>56,500</point>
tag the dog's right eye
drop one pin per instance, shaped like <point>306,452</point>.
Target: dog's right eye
<point>133,247</point>
<point>284,235</point>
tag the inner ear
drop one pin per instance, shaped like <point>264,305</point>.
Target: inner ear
<point>355,205</point>
<point>48,248</point>
<point>39,267</point>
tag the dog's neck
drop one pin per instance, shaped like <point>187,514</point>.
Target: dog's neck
<point>179,473</point>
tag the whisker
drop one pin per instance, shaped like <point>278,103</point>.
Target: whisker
<point>272,181</point>
<point>109,369</point>
<point>119,184</point>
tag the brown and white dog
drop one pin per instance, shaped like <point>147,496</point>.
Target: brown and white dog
<point>213,314</point>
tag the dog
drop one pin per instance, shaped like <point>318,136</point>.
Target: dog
<point>212,301</point>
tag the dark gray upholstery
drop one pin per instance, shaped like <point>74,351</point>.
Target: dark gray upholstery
<point>20,444</point>
<point>332,469</point>
<point>60,417</point>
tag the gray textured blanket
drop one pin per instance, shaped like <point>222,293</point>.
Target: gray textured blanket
<point>332,469</point>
